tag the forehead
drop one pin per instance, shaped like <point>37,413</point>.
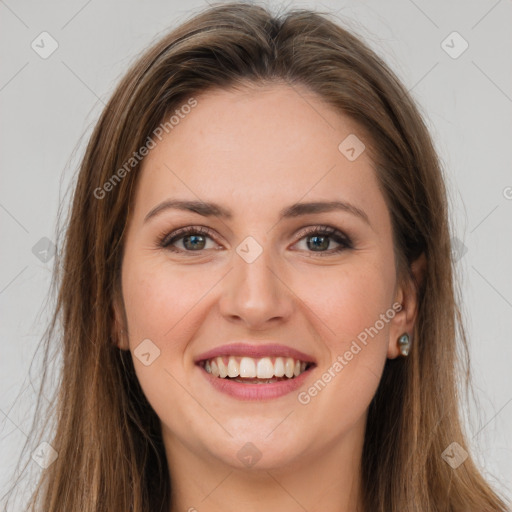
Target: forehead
<point>260,148</point>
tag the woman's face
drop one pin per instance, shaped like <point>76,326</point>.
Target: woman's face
<point>260,280</point>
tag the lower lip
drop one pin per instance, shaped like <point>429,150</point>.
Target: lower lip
<point>256,391</point>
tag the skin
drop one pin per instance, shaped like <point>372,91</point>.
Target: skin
<point>256,150</point>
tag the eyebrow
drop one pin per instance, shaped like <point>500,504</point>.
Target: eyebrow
<point>209,209</point>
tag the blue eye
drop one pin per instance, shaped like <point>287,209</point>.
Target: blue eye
<point>320,237</point>
<point>194,239</point>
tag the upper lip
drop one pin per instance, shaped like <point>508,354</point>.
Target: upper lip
<point>255,351</point>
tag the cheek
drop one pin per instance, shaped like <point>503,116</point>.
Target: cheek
<point>159,304</point>
<point>355,305</point>
<point>157,298</point>
<point>352,300</point>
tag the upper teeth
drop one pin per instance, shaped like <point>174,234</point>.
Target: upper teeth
<point>248,367</point>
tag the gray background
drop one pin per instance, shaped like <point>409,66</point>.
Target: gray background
<point>49,107</point>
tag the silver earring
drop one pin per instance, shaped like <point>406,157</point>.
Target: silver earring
<point>404,344</point>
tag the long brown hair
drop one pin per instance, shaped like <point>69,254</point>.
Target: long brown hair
<point>108,438</point>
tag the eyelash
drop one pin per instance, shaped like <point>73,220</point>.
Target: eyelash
<point>166,240</point>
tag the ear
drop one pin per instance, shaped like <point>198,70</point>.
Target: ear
<point>406,295</point>
<point>119,330</point>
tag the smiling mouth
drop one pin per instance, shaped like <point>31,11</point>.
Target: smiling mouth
<point>248,370</point>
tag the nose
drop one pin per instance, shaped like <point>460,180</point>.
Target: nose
<point>256,293</point>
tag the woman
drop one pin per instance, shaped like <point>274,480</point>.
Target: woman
<point>256,293</point>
